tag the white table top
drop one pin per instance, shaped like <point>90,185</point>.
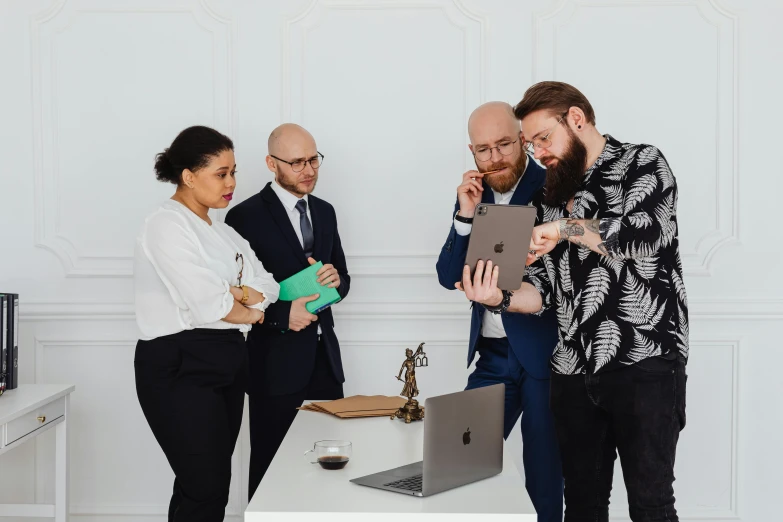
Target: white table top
<point>293,488</point>
<point>28,397</point>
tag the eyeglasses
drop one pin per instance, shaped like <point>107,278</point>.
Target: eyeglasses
<point>299,165</point>
<point>485,153</point>
<point>241,262</point>
<point>543,142</point>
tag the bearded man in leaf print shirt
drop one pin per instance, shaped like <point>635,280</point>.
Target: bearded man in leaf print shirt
<point>606,255</point>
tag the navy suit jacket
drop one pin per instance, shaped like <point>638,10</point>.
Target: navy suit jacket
<point>533,338</point>
<point>282,360</point>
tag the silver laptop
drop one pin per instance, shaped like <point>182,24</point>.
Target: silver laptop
<point>463,443</point>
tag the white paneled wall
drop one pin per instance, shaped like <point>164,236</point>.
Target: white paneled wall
<point>92,89</point>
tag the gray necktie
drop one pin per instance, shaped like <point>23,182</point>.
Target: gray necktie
<point>307,229</point>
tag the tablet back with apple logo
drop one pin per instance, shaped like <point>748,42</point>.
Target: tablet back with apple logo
<point>501,233</point>
<point>463,438</point>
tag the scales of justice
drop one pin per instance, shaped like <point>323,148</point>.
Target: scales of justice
<point>411,411</point>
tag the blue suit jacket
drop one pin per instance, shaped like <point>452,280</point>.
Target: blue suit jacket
<point>533,338</point>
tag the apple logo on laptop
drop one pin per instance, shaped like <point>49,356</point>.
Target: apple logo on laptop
<point>466,437</point>
<point>499,248</point>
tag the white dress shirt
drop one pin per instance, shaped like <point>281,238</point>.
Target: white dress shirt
<point>183,269</point>
<point>289,203</point>
<point>492,324</point>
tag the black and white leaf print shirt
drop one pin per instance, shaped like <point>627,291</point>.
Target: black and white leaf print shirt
<point>618,309</point>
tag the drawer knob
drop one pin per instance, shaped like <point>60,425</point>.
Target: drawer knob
<point>42,419</point>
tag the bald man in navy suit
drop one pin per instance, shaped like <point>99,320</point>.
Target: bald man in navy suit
<point>294,355</point>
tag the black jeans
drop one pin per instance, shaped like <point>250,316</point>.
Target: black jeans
<point>637,412</point>
<point>191,388</point>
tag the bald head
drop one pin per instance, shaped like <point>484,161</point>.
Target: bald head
<point>492,118</point>
<point>495,140</point>
<point>291,144</point>
<point>289,138</point>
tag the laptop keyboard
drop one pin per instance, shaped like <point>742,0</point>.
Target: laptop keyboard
<point>409,484</point>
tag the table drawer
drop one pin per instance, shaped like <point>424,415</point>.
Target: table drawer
<point>46,414</point>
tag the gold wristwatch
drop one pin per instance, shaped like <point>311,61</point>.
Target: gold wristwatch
<point>245,294</point>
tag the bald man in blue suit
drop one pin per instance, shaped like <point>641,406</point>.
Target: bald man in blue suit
<point>513,348</point>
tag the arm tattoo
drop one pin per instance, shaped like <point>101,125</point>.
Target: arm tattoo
<point>572,231</point>
<point>570,228</point>
<point>592,225</point>
<point>581,244</point>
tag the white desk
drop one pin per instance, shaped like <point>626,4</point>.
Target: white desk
<point>25,413</point>
<point>294,489</point>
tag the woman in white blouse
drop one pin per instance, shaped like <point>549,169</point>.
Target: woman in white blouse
<point>198,287</point>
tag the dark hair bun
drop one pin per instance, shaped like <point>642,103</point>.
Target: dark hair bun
<point>164,169</point>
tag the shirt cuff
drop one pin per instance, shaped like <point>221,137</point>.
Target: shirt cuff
<point>463,229</point>
<point>609,231</point>
<point>263,305</point>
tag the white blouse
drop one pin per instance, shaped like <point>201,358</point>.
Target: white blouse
<point>183,269</point>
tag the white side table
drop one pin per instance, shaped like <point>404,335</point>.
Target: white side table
<point>25,413</point>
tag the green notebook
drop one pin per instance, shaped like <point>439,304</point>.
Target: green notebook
<point>303,284</point>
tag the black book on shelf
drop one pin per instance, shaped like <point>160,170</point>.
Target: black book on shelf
<point>12,341</point>
<point>3,342</point>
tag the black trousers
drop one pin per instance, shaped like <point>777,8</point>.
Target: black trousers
<point>637,411</point>
<point>191,387</point>
<point>272,415</point>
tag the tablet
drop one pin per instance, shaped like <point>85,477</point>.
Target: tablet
<point>501,233</point>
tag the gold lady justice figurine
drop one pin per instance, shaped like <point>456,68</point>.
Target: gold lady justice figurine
<point>411,410</point>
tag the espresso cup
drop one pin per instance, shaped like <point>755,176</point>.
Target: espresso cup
<point>330,454</point>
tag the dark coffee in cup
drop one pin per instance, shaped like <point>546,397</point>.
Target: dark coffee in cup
<point>333,461</point>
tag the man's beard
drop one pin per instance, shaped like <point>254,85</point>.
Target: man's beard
<point>292,186</point>
<point>502,183</point>
<point>564,178</point>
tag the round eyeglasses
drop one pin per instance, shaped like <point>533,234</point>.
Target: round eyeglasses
<point>485,153</point>
<point>299,164</point>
